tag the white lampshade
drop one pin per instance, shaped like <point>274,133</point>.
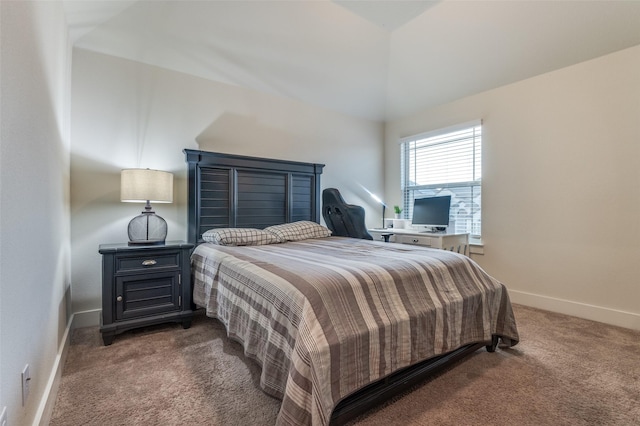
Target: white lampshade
<point>145,186</point>
<point>142,185</point>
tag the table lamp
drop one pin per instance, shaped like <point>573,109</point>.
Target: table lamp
<point>145,186</point>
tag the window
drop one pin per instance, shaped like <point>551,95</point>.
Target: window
<point>446,162</point>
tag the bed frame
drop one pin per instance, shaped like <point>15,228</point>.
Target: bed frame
<point>233,191</point>
<point>238,191</point>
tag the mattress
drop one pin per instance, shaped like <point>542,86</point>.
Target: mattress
<point>325,317</point>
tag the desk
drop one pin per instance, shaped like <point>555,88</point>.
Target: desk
<point>452,242</point>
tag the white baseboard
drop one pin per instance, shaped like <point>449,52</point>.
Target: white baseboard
<point>77,320</point>
<point>45,409</point>
<point>582,310</point>
<point>86,318</point>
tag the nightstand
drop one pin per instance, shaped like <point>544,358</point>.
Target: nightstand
<point>144,285</point>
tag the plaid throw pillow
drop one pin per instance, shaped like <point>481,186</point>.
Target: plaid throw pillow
<point>297,231</point>
<point>239,237</point>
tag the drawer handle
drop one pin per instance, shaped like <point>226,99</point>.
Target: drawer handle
<point>415,240</point>
<point>119,298</point>
<point>149,262</point>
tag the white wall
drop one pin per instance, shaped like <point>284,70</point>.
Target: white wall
<point>34,199</point>
<point>561,185</point>
<point>127,114</point>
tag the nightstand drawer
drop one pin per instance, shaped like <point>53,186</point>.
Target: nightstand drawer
<point>132,263</point>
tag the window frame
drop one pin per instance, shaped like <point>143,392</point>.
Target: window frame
<point>470,203</point>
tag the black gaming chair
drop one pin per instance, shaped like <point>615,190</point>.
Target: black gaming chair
<point>344,220</point>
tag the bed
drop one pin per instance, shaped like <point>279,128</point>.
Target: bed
<point>337,324</point>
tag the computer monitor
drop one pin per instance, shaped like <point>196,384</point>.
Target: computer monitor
<point>432,212</point>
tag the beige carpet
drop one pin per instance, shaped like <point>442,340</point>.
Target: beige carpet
<point>565,371</point>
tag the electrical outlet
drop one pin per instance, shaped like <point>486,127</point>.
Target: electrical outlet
<point>3,417</point>
<point>26,379</point>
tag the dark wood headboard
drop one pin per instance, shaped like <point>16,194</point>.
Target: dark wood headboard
<point>234,191</point>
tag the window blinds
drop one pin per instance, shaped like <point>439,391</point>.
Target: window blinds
<point>446,162</point>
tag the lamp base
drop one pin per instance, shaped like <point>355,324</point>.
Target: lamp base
<point>147,229</point>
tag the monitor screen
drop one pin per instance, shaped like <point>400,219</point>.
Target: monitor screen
<point>431,211</point>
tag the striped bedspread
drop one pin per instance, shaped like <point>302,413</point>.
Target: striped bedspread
<point>325,317</point>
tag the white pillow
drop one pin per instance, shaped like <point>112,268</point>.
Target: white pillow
<point>300,230</point>
<point>239,237</point>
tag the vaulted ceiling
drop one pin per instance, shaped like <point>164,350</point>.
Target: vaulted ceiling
<point>374,59</point>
